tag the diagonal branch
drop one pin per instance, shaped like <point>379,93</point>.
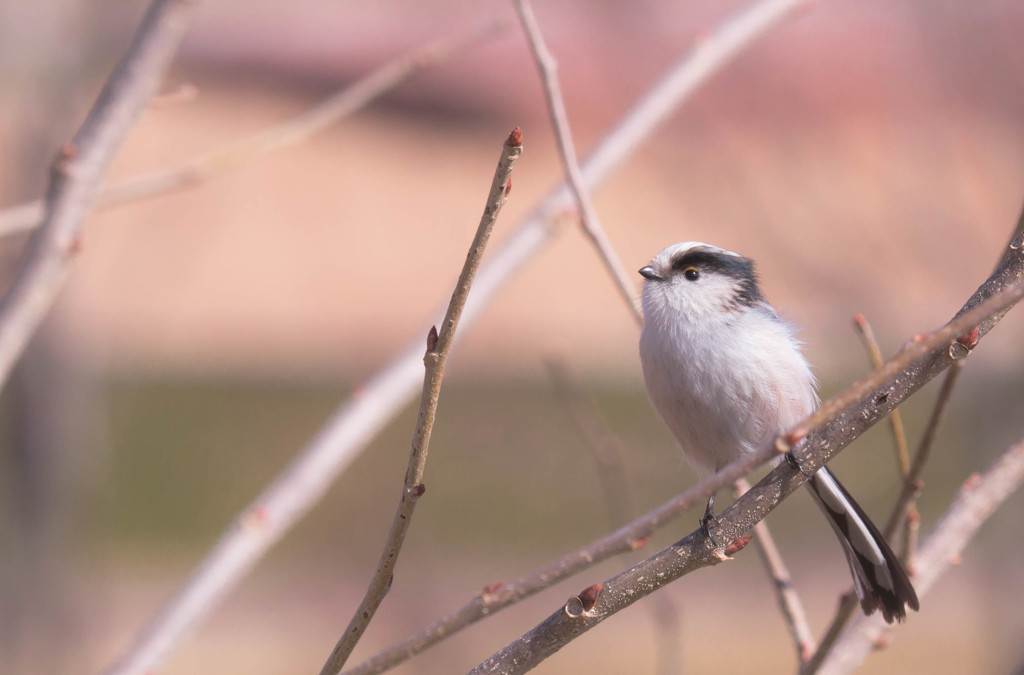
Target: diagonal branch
<point>77,171</point>
<point>439,343</point>
<point>292,132</point>
<point>833,427</point>
<point>977,500</point>
<point>548,68</point>
<point>854,411</point>
<point>305,480</point>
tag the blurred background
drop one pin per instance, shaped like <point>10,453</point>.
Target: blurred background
<point>869,155</point>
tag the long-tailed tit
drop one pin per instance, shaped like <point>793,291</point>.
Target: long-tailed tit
<point>726,375</point>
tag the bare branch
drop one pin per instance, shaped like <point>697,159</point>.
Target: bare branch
<point>789,600</point>
<point>77,171</point>
<point>548,68</point>
<point>912,482</point>
<point>292,132</point>
<point>899,435</point>
<point>832,428</point>
<point>305,480</point>
<point>977,500</point>
<point>438,345</point>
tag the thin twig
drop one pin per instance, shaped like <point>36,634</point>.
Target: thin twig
<point>845,418</point>
<point>899,435</point>
<point>901,513</point>
<point>912,482</point>
<point>848,604</point>
<point>292,132</point>
<point>77,171</point>
<point>438,345</point>
<point>789,600</point>
<point>548,68</point>
<point>975,503</point>
<point>306,479</point>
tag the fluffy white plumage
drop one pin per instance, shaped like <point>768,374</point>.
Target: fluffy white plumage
<point>727,375</point>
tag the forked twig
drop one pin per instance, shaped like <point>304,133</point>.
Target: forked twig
<point>200,169</point>
<point>548,68</point>
<point>77,171</point>
<point>438,345</point>
<point>976,501</point>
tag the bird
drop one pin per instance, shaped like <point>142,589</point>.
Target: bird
<point>727,375</point>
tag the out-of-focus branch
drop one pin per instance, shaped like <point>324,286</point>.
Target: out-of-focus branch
<point>548,68</point>
<point>438,345</point>
<point>977,500</point>
<point>834,426</point>
<point>606,448</point>
<point>305,480</point>
<point>789,600</point>
<point>77,171</point>
<point>292,132</point>
<point>608,451</point>
<point>899,435</point>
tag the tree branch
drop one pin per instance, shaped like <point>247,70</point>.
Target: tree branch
<point>548,69</point>
<point>77,171</point>
<point>789,600</point>
<point>834,426</point>
<point>977,500</point>
<point>229,157</point>
<point>305,480</point>
<point>438,346</point>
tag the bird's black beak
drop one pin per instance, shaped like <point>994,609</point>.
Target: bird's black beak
<point>649,273</point>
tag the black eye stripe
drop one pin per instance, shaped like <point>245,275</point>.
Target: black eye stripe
<point>737,267</point>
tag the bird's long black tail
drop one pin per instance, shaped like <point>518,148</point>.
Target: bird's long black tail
<point>878,576</point>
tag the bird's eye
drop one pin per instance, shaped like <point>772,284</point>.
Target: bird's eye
<point>691,273</point>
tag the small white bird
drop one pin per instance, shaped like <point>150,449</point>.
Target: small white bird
<point>726,375</point>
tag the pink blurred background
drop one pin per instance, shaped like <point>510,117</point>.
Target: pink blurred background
<point>868,155</point>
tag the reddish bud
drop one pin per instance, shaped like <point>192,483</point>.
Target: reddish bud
<point>69,150</point>
<point>432,339</point>
<point>859,319</point>
<point>795,436</point>
<point>737,546</point>
<point>970,338</point>
<point>971,482</point>
<point>492,588</point>
<point>882,641</point>
<point>956,560</point>
<point>508,186</point>
<point>588,598</point>
<point>515,139</point>
<point>639,543</point>
<point>417,490</point>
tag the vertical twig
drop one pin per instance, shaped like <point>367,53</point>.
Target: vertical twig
<point>548,68</point>
<point>77,171</point>
<point>789,600</point>
<point>438,345</point>
<point>977,500</point>
<point>899,436</point>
